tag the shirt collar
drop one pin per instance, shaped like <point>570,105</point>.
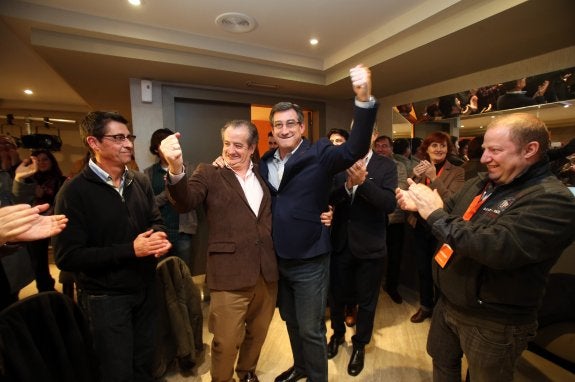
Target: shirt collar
<point>249,171</point>
<point>103,174</point>
<point>277,153</point>
<point>369,155</point>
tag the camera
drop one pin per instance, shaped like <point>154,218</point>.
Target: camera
<point>41,141</point>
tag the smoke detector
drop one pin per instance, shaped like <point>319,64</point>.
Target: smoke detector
<point>236,22</point>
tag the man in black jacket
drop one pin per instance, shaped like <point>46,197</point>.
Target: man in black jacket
<point>362,197</point>
<point>114,234</point>
<point>500,236</point>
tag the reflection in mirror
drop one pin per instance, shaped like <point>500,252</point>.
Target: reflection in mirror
<point>557,114</point>
<point>466,115</point>
<point>536,90</point>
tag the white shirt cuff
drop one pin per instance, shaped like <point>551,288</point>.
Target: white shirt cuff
<point>173,179</point>
<point>366,104</point>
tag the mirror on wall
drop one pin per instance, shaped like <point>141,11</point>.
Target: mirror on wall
<point>560,114</point>
<point>550,96</point>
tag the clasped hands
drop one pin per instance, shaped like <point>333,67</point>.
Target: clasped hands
<point>356,174</point>
<point>425,168</point>
<point>152,243</point>
<point>418,198</point>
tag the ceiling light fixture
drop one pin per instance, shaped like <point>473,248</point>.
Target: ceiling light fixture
<point>28,91</point>
<point>135,3</point>
<point>236,22</point>
<point>313,41</point>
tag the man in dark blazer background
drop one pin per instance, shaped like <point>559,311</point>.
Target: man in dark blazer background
<point>362,197</point>
<point>300,175</point>
<point>242,269</point>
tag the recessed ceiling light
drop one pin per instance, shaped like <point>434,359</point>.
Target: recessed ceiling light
<point>28,91</point>
<point>135,3</point>
<point>313,41</point>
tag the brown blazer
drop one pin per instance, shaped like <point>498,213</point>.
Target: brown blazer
<point>239,242</point>
<point>449,182</point>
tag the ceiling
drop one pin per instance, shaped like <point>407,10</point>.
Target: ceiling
<point>78,55</point>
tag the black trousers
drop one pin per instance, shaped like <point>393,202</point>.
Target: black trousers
<point>38,251</point>
<point>7,297</point>
<point>395,236</point>
<point>424,248</point>
<point>355,281</point>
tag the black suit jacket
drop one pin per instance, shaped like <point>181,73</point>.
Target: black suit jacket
<point>361,224</point>
<point>303,193</point>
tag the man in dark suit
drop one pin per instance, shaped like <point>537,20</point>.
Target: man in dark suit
<point>242,269</point>
<point>362,197</point>
<point>300,176</point>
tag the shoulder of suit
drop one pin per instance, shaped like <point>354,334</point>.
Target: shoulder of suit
<point>382,159</point>
<point>208,169</point>
<point>454,169</point>
<point>136,174</point>
<point>321,146</point>
<point>400,164</point>
<point>452,166</point>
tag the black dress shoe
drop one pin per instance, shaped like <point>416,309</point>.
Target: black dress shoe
<point>355,365</point>
<point>290,375</point>
<point>250,377</point>
<point>421,315</point>
<point>333,346</point>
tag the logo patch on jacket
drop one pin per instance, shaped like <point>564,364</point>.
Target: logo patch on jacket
<point>501,207</point>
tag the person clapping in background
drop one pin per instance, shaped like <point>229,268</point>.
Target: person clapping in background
<point>41,182</point>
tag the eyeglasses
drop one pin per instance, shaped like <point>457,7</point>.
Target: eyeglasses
<point>290,124</point>
<point>120,138</point>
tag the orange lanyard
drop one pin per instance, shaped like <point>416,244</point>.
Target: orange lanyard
<point>427,181</point>
<point>475,204</point>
